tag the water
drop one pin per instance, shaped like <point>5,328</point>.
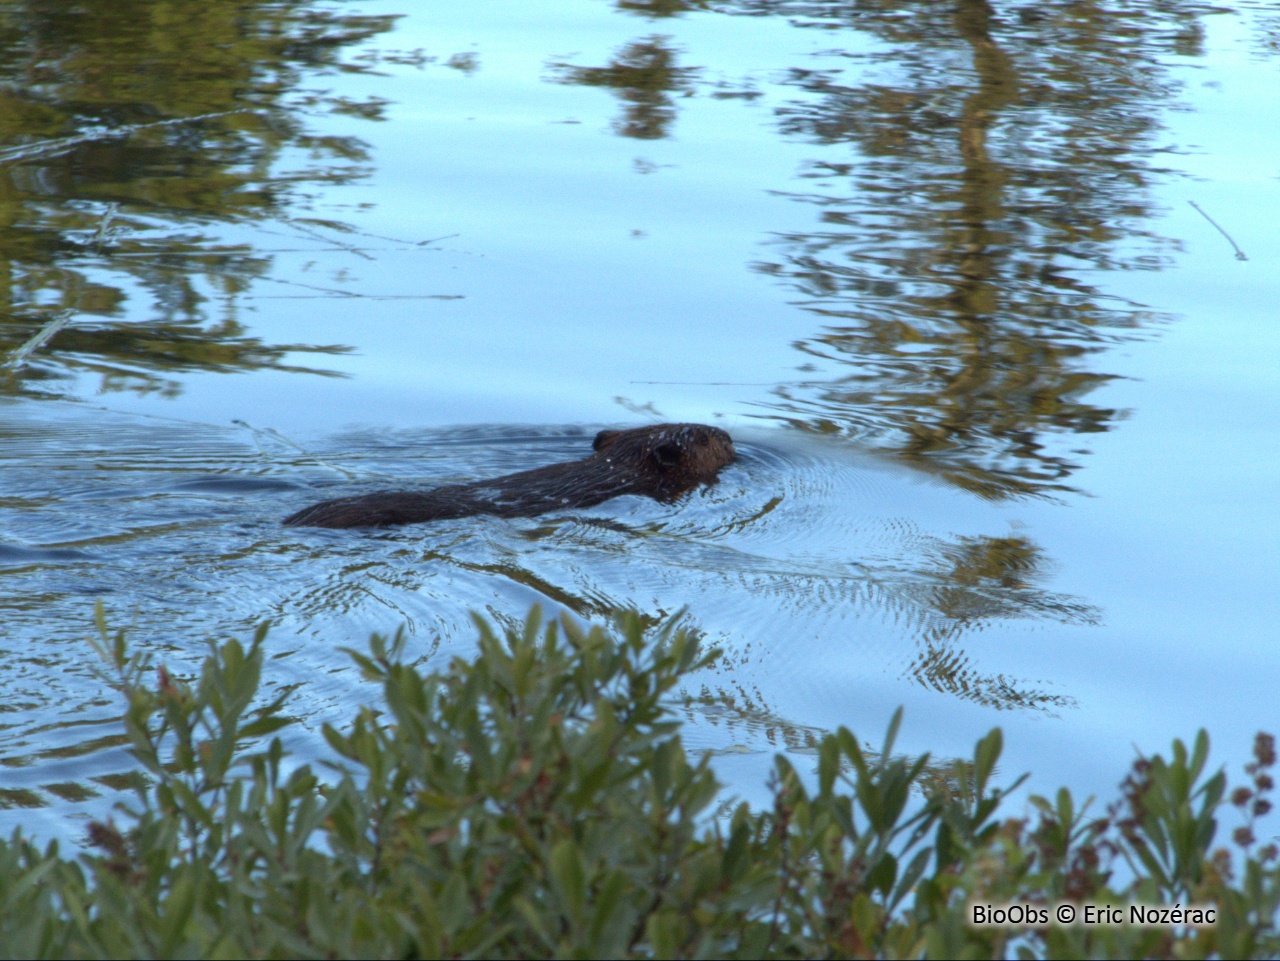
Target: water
<point>1003,395</point>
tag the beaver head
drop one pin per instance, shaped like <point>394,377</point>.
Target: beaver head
<point>676,457</point>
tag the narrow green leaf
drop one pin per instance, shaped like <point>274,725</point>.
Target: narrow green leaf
<point>568,872</point>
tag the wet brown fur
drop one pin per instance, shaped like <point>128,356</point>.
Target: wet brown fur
<point>664,462</point>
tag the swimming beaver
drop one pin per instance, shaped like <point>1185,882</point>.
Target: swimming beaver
<point>662,462</point>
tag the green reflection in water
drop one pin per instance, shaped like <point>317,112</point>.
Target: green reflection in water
<point>990,161</point>
<point>644,75</point>
<point>1000,157</point>
<point>980,580</point>
<point>960,587</point>
<point>996,156</point>
<point>137,133</point>
<point>662,8</point>
<point>996,159</point>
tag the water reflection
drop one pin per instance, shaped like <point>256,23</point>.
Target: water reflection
<point>997,160</point>
<point>645,76</point>
<point>999,157</point>
<point>138,135</point>
<point>985,580</point>
<point>661,8</point>
<point>963,186</point>
<point>773,544</point>
<point>176,528</point>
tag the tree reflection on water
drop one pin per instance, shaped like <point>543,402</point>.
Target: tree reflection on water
<point>645,76</point>
<point>995,157</point>
<point>989,161</point>
<point>999,158</point>
<point>100,196</point>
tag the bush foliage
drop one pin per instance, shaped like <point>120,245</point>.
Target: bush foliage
<point>536,801</point>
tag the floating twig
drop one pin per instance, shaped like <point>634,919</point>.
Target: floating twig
<point>52,148</point>
<point>271,432</point>
<point>366,296</point>
<point>430,240</point>
<point>1240,254</point>
<point>243,250</point>
<point>100,234</point>
<point>305,229</point>
<point>327,291</point>
<point>705,383</point>
<point>332,292</point>
<point>19,356</point>
<point>349,229</point>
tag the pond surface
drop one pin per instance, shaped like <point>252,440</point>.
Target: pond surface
<point>984,292</point>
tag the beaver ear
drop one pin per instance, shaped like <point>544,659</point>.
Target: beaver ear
<point>667,454</point>
<point>604,437</point>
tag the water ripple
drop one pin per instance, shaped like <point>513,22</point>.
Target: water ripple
<point>800,561</point>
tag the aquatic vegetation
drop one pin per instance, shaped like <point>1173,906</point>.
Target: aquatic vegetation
<point>535,800</point>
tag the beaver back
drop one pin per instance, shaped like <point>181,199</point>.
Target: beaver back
<point>664,462</point>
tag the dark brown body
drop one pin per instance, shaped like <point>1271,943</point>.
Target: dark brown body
<point>662,462</point>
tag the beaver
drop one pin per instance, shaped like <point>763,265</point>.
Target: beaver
<point>664,462</point>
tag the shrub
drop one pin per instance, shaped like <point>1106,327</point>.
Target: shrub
<point>536,801</point>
